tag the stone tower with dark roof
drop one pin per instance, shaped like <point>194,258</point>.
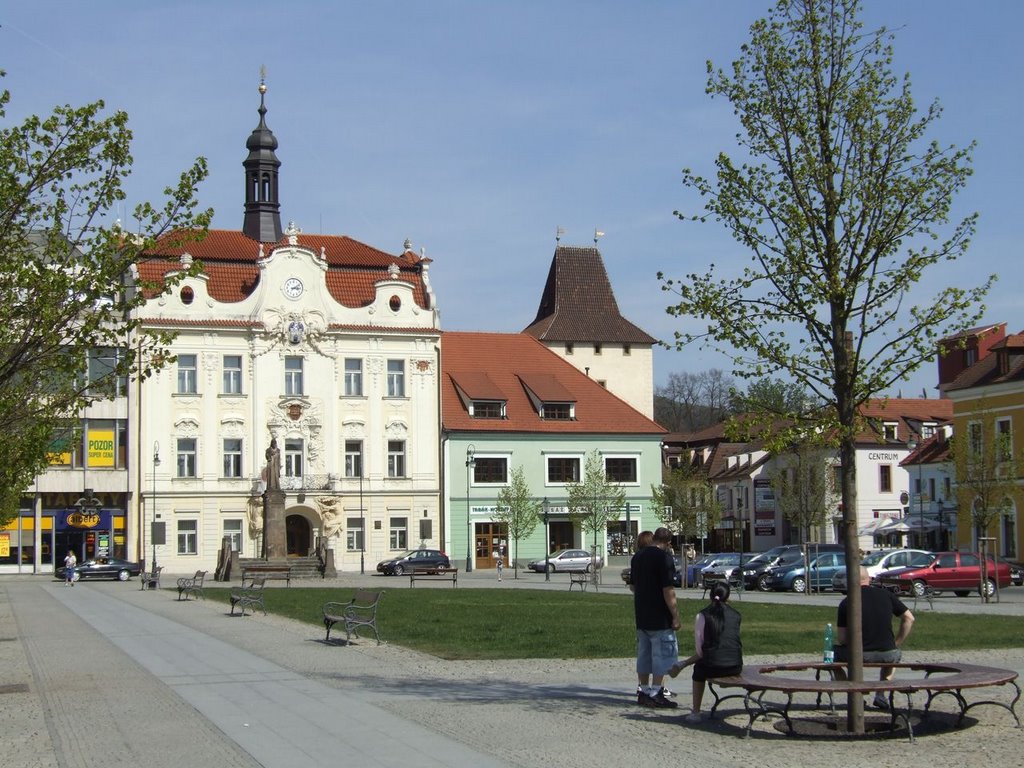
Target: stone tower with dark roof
<point>262,205</point>
<point>579,320</point>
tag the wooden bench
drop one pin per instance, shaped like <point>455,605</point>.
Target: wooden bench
<point>933,679</point>
<point>359,612</point>
<point>268,572</point>
<point>250,596</point>
<point>580,579</point>
<point>151,579</point>
<point>447,574</point>
<point>191,586</point>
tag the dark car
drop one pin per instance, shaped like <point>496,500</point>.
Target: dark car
<point>677,578</point>
<point>103,568</point>
<point>415,558</point>
<point>958,572</point>
<point>1016,573</point>
<point>755,571</point>
<point>817,575</point>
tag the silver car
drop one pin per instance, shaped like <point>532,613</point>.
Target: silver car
<point>566,560</point>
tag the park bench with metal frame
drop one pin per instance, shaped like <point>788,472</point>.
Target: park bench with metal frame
<point>357,613</point>
<point>250,596</point>
<point>191,586</point>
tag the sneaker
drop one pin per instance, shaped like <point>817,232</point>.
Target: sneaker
<point>661,701</point>
<point>667,692</point>
<point>694,717</point>
<point>880,701</point>
<point>644,699</point>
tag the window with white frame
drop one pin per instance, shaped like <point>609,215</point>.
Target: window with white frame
<point>490,469</point>
<point>890,430</point>
<point>186,457</point>
<point>557,411</point>
<point>1004,439</point>
<point>353,377</point>
<point>232,457</point>
<point>487,409</point>
<point>293,376</point>
<point>232,375</point>
<point>398,538</point>
<point>396,378</point>
<point>620,469</point>
<point>353,458</point>
<point>396,458</point>
<point>927,430</point>
<point>188,537</point>
<point>354,534</point>
<point>103,361</point>
<point>233,532</point>
<point>188,375</point>
<point>563,469</point>
<point>293,456</point>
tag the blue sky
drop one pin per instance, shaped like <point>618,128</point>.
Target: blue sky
<point>477,128</point>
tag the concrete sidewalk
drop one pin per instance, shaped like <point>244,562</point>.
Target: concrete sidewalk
<point>105,674</point>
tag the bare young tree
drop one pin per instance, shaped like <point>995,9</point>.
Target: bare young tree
<point>519,510</point>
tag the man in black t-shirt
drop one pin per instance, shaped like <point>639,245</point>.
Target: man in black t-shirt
<point>878,606</point>
<point>657,619</point>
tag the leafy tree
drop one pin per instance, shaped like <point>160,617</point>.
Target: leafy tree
<point>66,286</point>
<point>518,510</point>
<point>804,486</point>
<point>594,502</point>
<point>843,207</point>
<point>686,502</point>
<point>987,472</point>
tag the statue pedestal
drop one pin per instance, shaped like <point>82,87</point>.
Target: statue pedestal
<point>275,541</point>
<point>330,570</point>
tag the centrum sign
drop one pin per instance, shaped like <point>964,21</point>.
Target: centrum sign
<point>83,519</point>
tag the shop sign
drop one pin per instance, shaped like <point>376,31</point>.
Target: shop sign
<point>83,519</point>
<point>101,448</point>
<point>5,545</point>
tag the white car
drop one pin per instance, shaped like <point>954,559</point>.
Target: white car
<point>566,560</point>
<point>881,562</point>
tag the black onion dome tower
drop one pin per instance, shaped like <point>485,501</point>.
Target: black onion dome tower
<point>262,205</point>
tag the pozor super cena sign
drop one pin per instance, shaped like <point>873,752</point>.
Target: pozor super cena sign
<point>101,448</point>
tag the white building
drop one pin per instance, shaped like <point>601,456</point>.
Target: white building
<point>323,343</point>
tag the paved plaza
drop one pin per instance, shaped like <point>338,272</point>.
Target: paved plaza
<point>103,674</point>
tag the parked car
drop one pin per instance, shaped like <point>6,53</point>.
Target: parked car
<point>882,561</point>
<point>1016,573</point>
<point>725,568</point>
<point>696,567</point>
<point>103,568</point>
<point>566,560</point>
<point>415,558</point>
<point>817,574</point>
<point>627,573</point>
<point>958,572</point>
<point>786,555</point>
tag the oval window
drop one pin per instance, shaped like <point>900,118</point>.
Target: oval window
<point>187,295</point>
<point>395,303</point>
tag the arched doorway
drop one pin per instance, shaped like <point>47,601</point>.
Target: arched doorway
<point>299,535</point>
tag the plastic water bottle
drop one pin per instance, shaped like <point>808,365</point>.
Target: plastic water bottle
<point>829,655</point>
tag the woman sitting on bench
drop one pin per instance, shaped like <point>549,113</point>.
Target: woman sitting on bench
<point>719,650</point>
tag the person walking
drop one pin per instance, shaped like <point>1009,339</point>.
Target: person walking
<point>718,647</point>
<point>878,607</point>
<point>657,619</point>
<point>70,563</point>
<point>501,559</point>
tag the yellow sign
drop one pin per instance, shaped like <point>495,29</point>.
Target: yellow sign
<point>5,545</point>
<point>101,448</point>
<point>83,519</point>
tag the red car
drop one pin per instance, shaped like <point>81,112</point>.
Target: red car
<point>957,572</point>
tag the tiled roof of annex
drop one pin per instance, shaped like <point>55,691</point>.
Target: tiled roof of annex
<point>229,260</point>
<point>988,370</point>
<point>506,366</point>
<point>578,304</point>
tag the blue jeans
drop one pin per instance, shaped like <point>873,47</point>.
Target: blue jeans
<point>656,651</point>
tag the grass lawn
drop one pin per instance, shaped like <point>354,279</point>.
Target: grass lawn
<point>544,624</point>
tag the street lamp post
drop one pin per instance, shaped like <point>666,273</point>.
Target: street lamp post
<point>913,446</point>
<point>547,542</point>
<point>743,530</point>
<point>470,463</point>
<point>156,463</point>
<point>362,522</point>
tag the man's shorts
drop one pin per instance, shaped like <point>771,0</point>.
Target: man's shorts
<point>656,651</point>
<point>875,657</point>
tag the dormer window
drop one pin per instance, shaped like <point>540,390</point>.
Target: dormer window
<point>487,409</point>
<point>568,347</point>
<point>597,347</point>
<point>557,411</point>
<point>889,430</point>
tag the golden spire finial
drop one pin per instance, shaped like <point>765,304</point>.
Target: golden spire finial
<point>263,78</point>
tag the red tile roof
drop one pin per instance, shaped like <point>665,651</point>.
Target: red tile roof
<point>509,361</point>
<point>229,261</point>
